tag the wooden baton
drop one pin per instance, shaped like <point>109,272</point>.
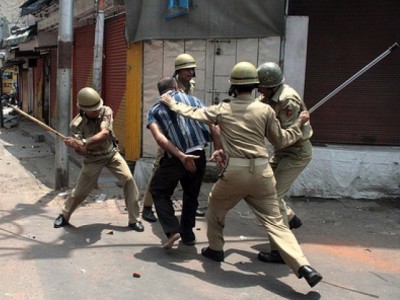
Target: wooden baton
<point>60,135</point>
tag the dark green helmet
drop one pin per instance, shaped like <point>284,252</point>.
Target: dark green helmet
<point>270,75</point>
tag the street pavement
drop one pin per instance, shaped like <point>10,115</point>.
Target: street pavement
<point>354,244</point>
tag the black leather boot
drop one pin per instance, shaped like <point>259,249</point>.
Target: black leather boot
<point>310,275</point>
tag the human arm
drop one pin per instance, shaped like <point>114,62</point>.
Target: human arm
<point>83,139</point>
<point>187,160</point>
<point>281,138</point>
<point>202,114</point>
<point>218,155</point>
<point>80,145</point>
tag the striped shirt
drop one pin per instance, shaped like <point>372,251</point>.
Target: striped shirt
<point>184,133</point>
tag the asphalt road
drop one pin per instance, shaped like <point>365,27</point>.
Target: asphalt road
<point>353,243</point>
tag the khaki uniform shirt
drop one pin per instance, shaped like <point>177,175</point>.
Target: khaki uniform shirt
<point>83,128</point>
<point>244,124</point>
<point>287,105</point>
<point>189,89</point>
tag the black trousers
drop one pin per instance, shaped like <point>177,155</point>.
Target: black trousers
<point>165,180</point>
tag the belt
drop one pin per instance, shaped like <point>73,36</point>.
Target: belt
<point>245,162</point>
<point>100,153</point>
<point>195,152</point>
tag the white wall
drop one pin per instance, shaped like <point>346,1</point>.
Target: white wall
<point>295,56</point>
<point>357,172</point>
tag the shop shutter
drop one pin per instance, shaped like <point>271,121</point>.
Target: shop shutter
<point>82,61</point>
<point>38,88</point>
<point>344,36</point>
<point>114,74</point>
<point>53,86</point>
<point>24,97</point>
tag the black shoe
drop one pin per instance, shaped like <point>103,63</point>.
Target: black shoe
<point>60,222</point>
<point>138,226</point>
<point>189,239</point>
<point>189,242</point>
<point>213,254</point>
<point>310,275</point>
<point>148,215</point>
<point>200,212</point>
<point>295,222</point>
<point>271,257</point>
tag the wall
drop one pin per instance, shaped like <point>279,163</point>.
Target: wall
<point>212,71</point>
<point>357,172</point>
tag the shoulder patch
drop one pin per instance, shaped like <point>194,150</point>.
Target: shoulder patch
<point>76,121</point>
<point>107,114</point>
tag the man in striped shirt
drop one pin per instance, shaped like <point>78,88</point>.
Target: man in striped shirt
<point>184,161</point>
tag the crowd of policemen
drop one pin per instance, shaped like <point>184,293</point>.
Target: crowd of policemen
<point>249,172</point>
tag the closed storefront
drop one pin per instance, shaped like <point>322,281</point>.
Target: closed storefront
<point>25,91</point>
<point>82,61</point>
<point>344,37</point>
<point>114,74</point>
<point>38,84</point>
<point>53,86</point>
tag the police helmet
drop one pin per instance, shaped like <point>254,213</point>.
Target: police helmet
<point>270,75</point>
<point>184,61</point>
<point>89,99</point>
<point>244,73</point>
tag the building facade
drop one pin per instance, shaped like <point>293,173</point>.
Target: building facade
<point>319,45</point>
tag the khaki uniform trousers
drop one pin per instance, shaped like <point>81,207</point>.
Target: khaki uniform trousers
<point>253,181</point>
<point>147,198</point>
<point>87,180</point>
<point>287,164</point>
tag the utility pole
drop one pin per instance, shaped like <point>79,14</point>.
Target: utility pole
<point>65,37</point>
<point>1,99</point>
<point>98,47</point>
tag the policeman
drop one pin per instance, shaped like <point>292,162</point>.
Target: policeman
<point>287,162</point>
<point>94,140</point>
<point>244,124</point>
<point>184,72</point>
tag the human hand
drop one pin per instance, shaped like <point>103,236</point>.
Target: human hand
<point>218,156</point>
<point>304,117</point>
<point>188,162</point>
<point>166,98</point>
<point>73,143</point>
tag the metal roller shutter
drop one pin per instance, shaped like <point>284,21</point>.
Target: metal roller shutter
<point>82,61</point>
<point>38,89</point>
<point>114,74</point>
<point>53,86</point>
<point>344,36</point>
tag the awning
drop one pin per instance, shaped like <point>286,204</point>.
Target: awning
<point>20,36</point>
<point>11,63</point>
<point>206,19</point>
<point>33,6</point>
